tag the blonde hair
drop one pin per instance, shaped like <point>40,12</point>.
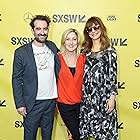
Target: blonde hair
<point>64,36</point>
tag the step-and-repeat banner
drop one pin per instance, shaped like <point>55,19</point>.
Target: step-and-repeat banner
<point>122,19</point>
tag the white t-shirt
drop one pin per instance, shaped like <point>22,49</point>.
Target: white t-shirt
<point>44,59</point>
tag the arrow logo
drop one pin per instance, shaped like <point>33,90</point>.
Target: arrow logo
<point>121,85</point>
<point>82,18</point>
<point>1,61</point>
<point>120,126</point>
<point>0,18</point>
<point>2,103</point>
<point>123,42</point>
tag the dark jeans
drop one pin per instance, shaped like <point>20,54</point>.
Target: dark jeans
<point>70,116</point>
<point>41,115</point>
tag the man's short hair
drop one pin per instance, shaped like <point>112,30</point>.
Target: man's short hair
<point>40,17</point>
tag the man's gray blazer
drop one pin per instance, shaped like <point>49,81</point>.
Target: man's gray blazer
<point>24,77</point>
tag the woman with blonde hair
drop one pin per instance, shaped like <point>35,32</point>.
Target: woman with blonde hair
<point>70,80</point>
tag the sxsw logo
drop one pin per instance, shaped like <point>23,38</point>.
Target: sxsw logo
<point>59,18</point>
<point>18,124</point>
<point>118,42</point>
<point>138,18</point>
<point>137,63</point>
<point>136,105</point>
<point>68,18</point>
<point>15,40</point>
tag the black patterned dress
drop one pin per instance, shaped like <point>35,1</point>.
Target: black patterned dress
<point>100,82</point>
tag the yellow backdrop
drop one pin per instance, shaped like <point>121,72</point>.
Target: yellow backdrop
<point>122,18</point>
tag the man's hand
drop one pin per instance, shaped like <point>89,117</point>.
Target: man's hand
<point>22,111</point>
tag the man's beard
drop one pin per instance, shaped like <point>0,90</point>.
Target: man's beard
<point>41,41</point>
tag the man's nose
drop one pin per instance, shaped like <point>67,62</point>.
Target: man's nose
<point>42,32</point>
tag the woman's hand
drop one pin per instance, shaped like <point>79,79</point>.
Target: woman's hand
<point>110,103</point>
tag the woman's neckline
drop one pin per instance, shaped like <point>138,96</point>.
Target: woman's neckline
<point>97,51</point>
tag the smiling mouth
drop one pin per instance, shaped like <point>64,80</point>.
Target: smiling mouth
<point>71,46</point>
<point>94,34</point>
<point>42,37</point>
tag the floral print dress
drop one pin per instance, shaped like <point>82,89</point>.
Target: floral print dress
<point>100,82</point>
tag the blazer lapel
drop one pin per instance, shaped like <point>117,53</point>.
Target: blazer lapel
<point>29,50</point>
<point>48,44</point>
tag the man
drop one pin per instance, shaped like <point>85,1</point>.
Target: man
<point>35,70</point>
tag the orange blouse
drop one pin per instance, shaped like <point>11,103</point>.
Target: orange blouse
<point>70,87</point>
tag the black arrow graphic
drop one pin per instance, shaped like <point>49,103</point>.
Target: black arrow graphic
<point>0,18</point>
<point>2,103</point>
<point>121,85</point>
<point>1,61</point>
<point>120,126</point>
